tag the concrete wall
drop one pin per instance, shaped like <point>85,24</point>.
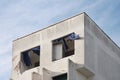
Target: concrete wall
<point>96,56</point>
<point>102,56</point>
<point>44,39</point>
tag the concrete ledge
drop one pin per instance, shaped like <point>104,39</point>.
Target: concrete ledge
<point>78,71</point>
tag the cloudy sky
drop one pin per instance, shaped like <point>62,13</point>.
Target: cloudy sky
<point>21,17</point>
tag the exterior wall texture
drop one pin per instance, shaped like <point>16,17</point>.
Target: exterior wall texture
<point>103,58</point>
<point>95,57</point>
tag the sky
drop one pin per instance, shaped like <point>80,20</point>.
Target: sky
<point>21,17</point>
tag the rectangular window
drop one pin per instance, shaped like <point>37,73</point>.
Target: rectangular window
<point>64,46</point>
<point>60,77</point>
<point>30,58</point>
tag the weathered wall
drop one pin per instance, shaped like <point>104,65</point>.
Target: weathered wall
<point>102,56</point>
<point>96,56</point>
<point>44,39</point>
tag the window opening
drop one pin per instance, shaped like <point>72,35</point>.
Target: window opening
<point>64,46</point>
<point>60,77</point>
<point>30,58</point>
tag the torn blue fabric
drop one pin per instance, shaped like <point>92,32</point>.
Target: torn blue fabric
<point>36,50</point>
<point>26,58</point>
<point>73,36</point>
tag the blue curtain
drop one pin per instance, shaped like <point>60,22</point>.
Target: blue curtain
<point>26,58</point>
<point>36,50</point>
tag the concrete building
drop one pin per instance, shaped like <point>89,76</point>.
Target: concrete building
<point>73,49</point>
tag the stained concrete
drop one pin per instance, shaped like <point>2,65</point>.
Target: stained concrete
<point>96,56</point>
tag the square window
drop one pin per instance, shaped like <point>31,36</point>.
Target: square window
<point>64,46</point>
<point>30,58</point>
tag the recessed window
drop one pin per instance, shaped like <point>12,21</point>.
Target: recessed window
<point>30,58</point>
<point>60,77</point>
<point>64,46</point>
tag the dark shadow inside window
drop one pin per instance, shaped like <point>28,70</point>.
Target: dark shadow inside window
<point>30,58</point>
<point>64,46</point>
<point>60,77</point>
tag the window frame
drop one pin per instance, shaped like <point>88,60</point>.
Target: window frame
<point>22,61</point>
<point>63,53</point>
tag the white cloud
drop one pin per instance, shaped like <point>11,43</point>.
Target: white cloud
<point>5,49</point>
<point>5,65</point>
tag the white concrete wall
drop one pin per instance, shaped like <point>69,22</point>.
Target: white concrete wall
<point>44,39</point>
<point>102,56</point>
<point>96,56</point>
<point>74,73</point>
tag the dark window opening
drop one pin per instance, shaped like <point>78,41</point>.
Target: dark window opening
<point>30,58</point>
<point>64,46</point>
<point>60,77</point>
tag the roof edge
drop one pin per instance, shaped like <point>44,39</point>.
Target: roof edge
<point>104,33</point>
<point>49,26</point>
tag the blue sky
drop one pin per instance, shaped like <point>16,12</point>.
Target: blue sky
<point>21,17</point>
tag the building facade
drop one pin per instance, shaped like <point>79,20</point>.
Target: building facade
<point>73,49</point>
